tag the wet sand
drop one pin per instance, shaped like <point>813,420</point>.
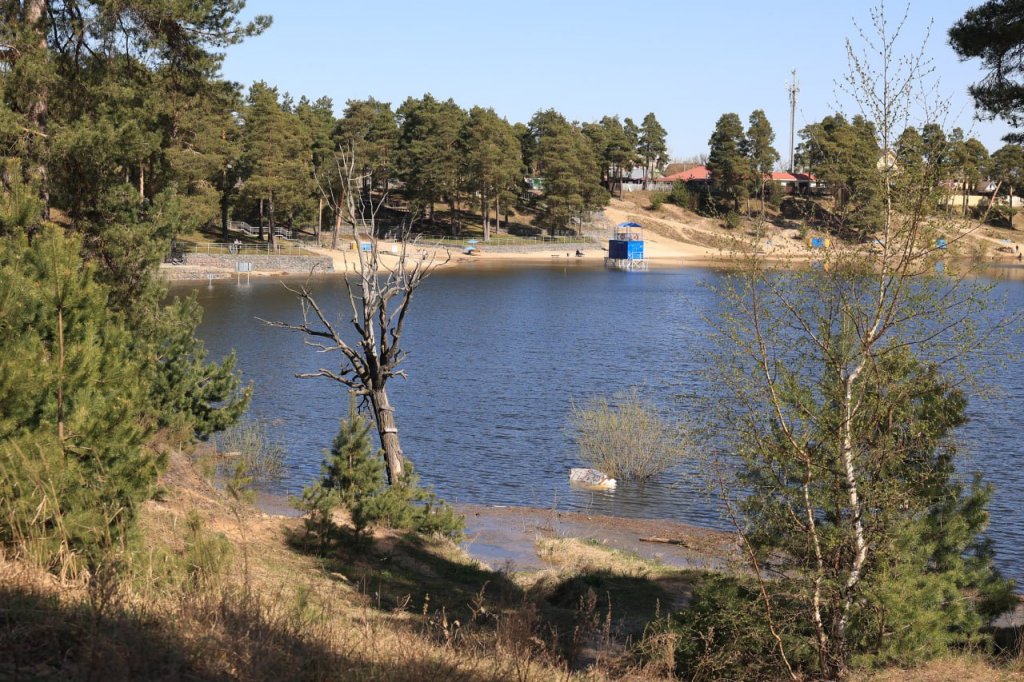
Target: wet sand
<point>504,537</point>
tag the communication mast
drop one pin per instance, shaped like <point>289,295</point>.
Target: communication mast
<point>793,89</point>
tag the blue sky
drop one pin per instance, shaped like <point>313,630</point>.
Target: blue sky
<point>688,62</point>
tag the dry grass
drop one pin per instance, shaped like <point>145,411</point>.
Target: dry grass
<point>406,609</point>
<point>273,612</point>
<point>953,669</point>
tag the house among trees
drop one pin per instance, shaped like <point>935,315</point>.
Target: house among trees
<point>796,183</point>
<point>697,174</point>
<point>791,183</point>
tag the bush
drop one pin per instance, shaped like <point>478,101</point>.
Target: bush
<point>722,634</point>
<point>627,439</point>
<point>681,196</point>
<point>658,200</point>
<point>250,442</point>
<point>74,414</point>
<point>353,478</point>
<point>795,208</point>
<point>732,220</point>
<point>1000,215</point>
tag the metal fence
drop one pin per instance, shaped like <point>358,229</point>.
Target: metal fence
<point>217,249</point>
<point>505,240</point>
<point>252,231</point>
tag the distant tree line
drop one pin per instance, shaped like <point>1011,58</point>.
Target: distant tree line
<point>283,156</point>
<point>845,159</point>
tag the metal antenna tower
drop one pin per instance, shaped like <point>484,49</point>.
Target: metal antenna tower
<point>793,89</point>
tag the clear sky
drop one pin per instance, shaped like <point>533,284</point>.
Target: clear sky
<point>687,61</point>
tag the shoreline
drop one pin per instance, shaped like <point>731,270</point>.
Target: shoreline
<point>672,238</point>
<point>503,537</point>
<point>660,254</point>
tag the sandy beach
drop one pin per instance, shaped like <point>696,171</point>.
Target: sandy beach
<point>694,240</point>
<point>672,238</point>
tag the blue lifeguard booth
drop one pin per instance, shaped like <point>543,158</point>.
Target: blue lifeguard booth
<point>626,248</point>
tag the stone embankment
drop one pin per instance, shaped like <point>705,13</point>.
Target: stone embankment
<point>203,266</point>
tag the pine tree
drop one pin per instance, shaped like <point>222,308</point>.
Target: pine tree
<point>492,158</point>
<point>429,160</point>
<point>74,400</point>
<point>651,146</point>
<point>727,160</point>
<point>277,156</point>
<point>845,155</point>
<point>353,470</point>
<point>991,32</point>
<point>352,476</point>
<point>566,160</point>
<point>763,155</point>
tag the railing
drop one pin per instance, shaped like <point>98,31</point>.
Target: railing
<point>182,247</point>
<point>252,231</point>
<point>506,240</point>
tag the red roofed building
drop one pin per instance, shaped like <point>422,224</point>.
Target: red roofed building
<point>792,183</point>
<point>695,174</point>
<point>795,183</point>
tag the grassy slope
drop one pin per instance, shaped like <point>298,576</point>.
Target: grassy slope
<point>405,609</point>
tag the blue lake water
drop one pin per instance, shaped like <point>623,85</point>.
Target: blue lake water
<point>496,357</point>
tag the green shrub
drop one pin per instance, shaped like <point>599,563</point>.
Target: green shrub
<point>681,196</point>
<point>658,200</point>
<point>732,220</point>
<point>774,194</point>
<point>74,414</point>
<point>1000,215</point>
<point>206,555</point>
<point>353,477</point>
<point>723,634</point>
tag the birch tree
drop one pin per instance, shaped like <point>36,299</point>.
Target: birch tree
<point>842,387</point>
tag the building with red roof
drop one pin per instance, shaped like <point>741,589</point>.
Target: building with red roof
<point>695,174</point>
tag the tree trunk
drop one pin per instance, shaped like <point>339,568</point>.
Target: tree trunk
<point>224,222</point>
<point>142,182</point>
<point>456,227</point>
<point>319,219</point>
<point>337,228</point>
<point>485,208</point>
<point>270,206</point>
<point>647,164</point>
<point>497,212</point>
<point>224,194</point>
<point>261,218</point>
<point>384,416</point>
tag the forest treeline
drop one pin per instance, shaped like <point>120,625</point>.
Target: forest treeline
<point>845,162</point>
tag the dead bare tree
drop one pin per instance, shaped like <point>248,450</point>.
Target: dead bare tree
<point>380,288</point>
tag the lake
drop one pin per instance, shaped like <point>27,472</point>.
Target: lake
<point>496,358</point>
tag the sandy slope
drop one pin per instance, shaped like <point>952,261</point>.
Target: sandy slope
<point>672,238</point>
